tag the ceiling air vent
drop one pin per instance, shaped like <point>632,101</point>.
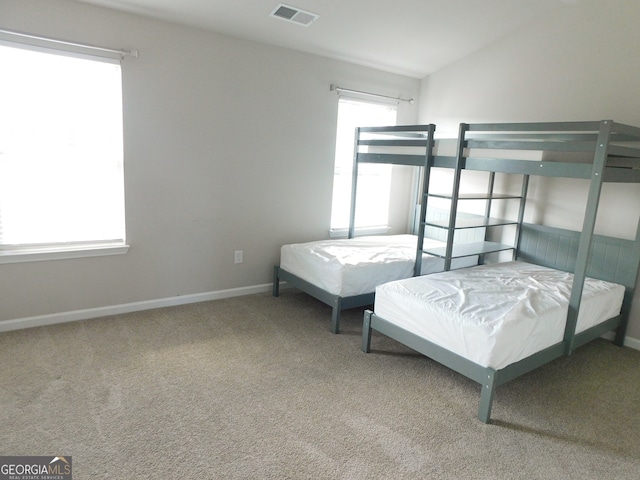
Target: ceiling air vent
<point>294,14</point>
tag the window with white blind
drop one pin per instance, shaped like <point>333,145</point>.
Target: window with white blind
<point>374,180</point>
<point>61,154</point>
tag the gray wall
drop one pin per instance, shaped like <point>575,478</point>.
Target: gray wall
<point>581,63</point>
<point>229,145</point>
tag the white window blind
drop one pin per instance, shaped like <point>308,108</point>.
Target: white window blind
<point>61,150</point>
<point>374,180</point>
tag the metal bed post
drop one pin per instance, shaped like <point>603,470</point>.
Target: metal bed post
<point>335,315</point>
<point>354,184</point>
<point>523,202</point>
<point>487,395</point>
<point>425,191</point>
<point>366,332</point>
<point>276,281</point>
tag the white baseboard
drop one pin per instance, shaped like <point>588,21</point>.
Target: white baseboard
<point>628,341</point>
<point>632,343</point>
<point>72,316</point>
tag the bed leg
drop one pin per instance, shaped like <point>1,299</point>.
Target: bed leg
<point>620,336</point>
<point>366,331</point>
<point>276,281</point>
<point>335,317</point>
<point>486,397</point>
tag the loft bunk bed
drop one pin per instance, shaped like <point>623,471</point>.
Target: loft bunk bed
<point>561,289</point>
<point>343,273</point>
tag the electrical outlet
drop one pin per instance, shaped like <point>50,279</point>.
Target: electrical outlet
<point>237,256</point>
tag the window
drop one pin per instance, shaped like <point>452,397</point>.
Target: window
<point>61,152</point>
<point>374,181</point>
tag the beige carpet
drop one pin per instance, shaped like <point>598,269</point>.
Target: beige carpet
<point>257,388</point>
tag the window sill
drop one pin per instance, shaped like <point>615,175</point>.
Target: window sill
<point>44,254</point>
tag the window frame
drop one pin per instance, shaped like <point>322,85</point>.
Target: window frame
<point>19,253</point>
<point>342,232</point>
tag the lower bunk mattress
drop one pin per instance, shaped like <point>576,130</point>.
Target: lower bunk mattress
<point>355,266</point>
<point>494,315</point>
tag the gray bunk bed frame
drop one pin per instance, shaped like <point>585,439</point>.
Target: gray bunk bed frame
<point>400,137</point>
<point>615,159</point>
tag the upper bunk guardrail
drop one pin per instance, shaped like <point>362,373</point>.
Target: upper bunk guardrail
<point>395,144</point>
<point>398,129</point>
<point>541,144</point>
<point>419,139</point>
<point>396,136</point>
<point>623,148</point>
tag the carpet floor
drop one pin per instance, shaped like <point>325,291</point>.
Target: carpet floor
<point>257,387</point>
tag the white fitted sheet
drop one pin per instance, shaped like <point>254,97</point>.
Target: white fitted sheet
<point>348,267</point>
<point>494,315</point>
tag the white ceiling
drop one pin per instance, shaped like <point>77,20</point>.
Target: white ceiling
<point>409,37</point>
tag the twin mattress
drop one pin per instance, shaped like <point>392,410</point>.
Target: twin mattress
<point>348,267</point>
<point>494,315</point>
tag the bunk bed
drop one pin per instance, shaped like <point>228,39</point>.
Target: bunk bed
<point>561,288</point>
<point>343,273</point>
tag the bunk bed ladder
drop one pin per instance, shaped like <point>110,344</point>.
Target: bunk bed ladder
<point>459,165</point>
<point>523,201</point>
<point>488,205</point>
<point>588,226</point>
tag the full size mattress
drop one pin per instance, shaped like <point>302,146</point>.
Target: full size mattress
<point>494,315</point>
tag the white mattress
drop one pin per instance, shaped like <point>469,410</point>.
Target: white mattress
<point>349,267</point>
<point>494,315</point>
